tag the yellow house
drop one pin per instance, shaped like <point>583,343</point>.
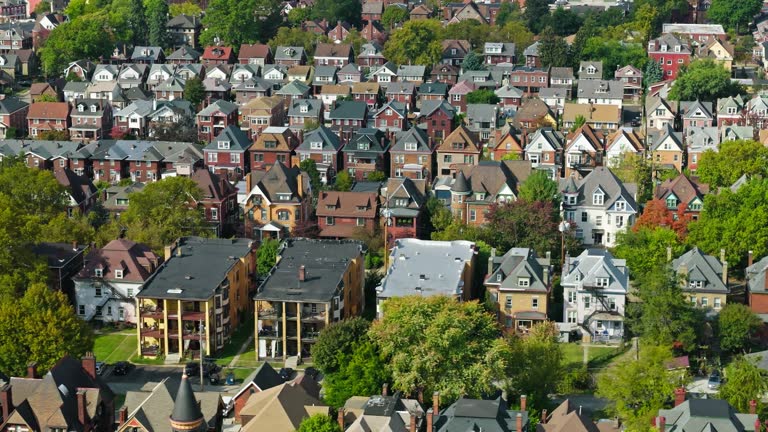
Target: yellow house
<point>198,296</point>
<point>704,278</point>
<point>667,150</point>
<point>719,51</point>
<point>314,283</point>
<point>518,283</point>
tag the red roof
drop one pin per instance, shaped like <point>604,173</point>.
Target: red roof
<point>217,53</point>
<point>248,51</point>
<point>49,110</point>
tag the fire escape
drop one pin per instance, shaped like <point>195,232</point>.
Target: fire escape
<point>601,307</point>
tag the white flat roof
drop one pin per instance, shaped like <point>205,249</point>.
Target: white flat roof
<point>693,28</point>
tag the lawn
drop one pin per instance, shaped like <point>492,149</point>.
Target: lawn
<point>598,355</point>
<point>230,350</point>
<point>115,346</point>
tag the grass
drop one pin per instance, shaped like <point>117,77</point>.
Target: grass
<point>113,347</point>
<point>598,356</point>
<point>247,358</point>
<point>147,361</point>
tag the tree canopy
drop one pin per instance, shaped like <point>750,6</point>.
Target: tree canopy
<point>732,160</point>
<point>416,42</point>
<point>338,10</point>
<point>343,181</point>
<point>473,62</point>
<point>744,382</point>
<point>194,91</point>
<point>338,339</point>
<point>703,79</point>
<point>226,22</point>
<point>645,249</point>
<point>553,50</point>
<point>319,423</point>
<point>734,14</point>
<point>482,96</point>
<point>536,14</point>
<point>737,327</point>
<point>362,372</point>
<point>266,256</point>
<point>393,15</point>
<point>539,187</point>
<point>87,37</point>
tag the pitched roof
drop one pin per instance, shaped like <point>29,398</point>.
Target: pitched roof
<point>79,188</point>
<point>278,181</point>
<point>225,107</point>
<point>466,140</point>
<point>48,110</point>
<point>593,264</point>
<point>697,267</point>
<point>249,51</point>
<point>707,415</point>
<point>475,414</point>
<point>412,136</point>
<point>280,408</point>
<point>490,179</point>
<point>341,50</point>
<point>327,138</point>
<point>137,261</point>
<point>237,138</point>
<point>217,53</point>
<point>684,188</point>
<point>595,113</point>
<point>264,377</point>
<point>213,186</point>
<point>281,139</point>
<point>355,110</point>
<point>347,204</point>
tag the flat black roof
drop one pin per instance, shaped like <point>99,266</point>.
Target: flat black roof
<point>324,261</point>
<point>198,271</point>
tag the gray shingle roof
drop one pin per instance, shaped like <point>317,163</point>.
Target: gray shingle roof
<point>328,139</point>
<point>604,180</point>
<point>598,263</point>
<point>515,264</point>
<point>238,140</point>
<point>707,415</point>
<point>698,267</point>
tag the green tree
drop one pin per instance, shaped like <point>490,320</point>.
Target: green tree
<point>84,37</point>
<point>578,122</point>
<point>225,22</point>
<point>194,91</point>
<point>645,250</point>
<point>43,8</point>
<point>515,32</point>
<point>553,50</point>
<point>588,30</point>
<point>394,15</point>
<point>298,15</point>
<point>319,423</point>
<point>53,135</point>
<point>266,256</point>
<point>472,62</point>
<point>157,20</point>
<point>309,166</point>
<point>539,187</point>
<point>614,53</point>
<point>337,340</point>
<point>631,167</point>
<point>703,79</point>
<point>737,327</point>
<point>734,14</point>
<point>63,229</point>
<point>356,39</point>
<point>511,156</point>
<point>745,382</point>
<point>733,160</point>
<point>343,181</point>
<point>187,8</point>
<point>508,11</point>
<point>361,373</point>
<point>483,96</point>
<point>415,43</point>
<point>470,30</point>
<point>287,36</point>
<point>137,22</point>
<point>536,14</point>
<point>565,22</point>
<point>164,211</point>
<point>438,344</point>
<point>653,73</point>
<point>338,10</point>
<point>40,327</point>
<point>638,389</point>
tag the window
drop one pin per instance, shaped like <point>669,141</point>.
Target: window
<point>214,214</point>
<point>584,217</point>
<point>213,157</point>
<point>98,310</point>
<point>98,272</point>
<point>360,221</point>
<point>571,296</point>
<point>523,281</point>
<point>499,277</point>
<point>704,301</point>
<point>597,198</point>
<point>694,301</point>
<point>587,300</point>
<point>602,282</point>
<point>329,220</point>
<point>599,220</point>
<point>534,303</point>
<point>472,215</point>
<point>620,206</point>
<point>98,292</point>
<point>129,292</point>
<point>411,146</point>
<point>508,302</point>
<point>119,274</point>
<point>696,284</point>
<point>572,316</point>
<point>283,215</point>
<point>619,221</point>
<point>718,304</point>
<point>81,310</point>
<point>234,158</point>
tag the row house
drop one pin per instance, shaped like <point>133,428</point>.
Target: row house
<point>214,118</point>
<point>457,95</point>
<point>348,116</point>
<point>333,54</point>
<point>671,53</point>
<point>218,201</point>
<point>255,54</point>
<point>499,53</point>
<point>302,112</point>
<point>90,119</point>
<point>530,80</point>
<point>323,146</point>
<point>274,144</point>
<point>13,117</point>
<point>47,116</point>
<point>147,161</point>
<point>371,55</point>
<point>404,208</point>
<point>278,199</point>
<point>437,118</point>
<point>345,214</point>
<point>447,74</point>
<point>216,55</point>
<point>183,56</point>
<point>412,155</point>
<point>49,155</point>
<point>184,30</point>
<point>14,37</point>
<point>290,56</point>
<point>227,153</point>
<point>461,147</point>
<point>392,117</point>
<point>262,113</point>
<point>366,152</point>
<point>632,78</point>
<point>584,150</point>
<point>544,149</point>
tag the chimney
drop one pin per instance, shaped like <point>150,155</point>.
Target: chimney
<point>543,419</point>
<point>384,389</point>
<point>412,427</point>
<point>519,422</point>
<point>300,184</point>
<point>753,406</point>
<point>490,261</point>
<point>661,423</point>
<point>436,403</point>
<point>523,404</point>
<point>749,258</point>
<point>421,396</point>
<point>302,273</point>
<point>89,364</point>
<point>430,419</point>
<point>340,418</point>
<point>6,400</point>
<point>122,415</point>
<point>168,253</point>
<point>74,246</point>
<point>82,409</point>
<point>669,254</point>
<point>679,395</point>
<point>32,370</point>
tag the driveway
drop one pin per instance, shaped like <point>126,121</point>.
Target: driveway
<point>139,376</point>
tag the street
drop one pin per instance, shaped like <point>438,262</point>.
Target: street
<point>139,376</point>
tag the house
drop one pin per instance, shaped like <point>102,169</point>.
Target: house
<point>303,112</point>
<point>283,408</point>
<point>132,75</point>
<point>409,73</point>
<point>368,92</point>
<point>555,98</point>
<point>290,56</point>
<point>258,54</point>
<point>372,11</point>
<point>632,78</point>
<point>544,149</point>
<point>75,90</point>
<point>79,68</point>
<point>420,12</point>
<point>331,275</point>
<point>445,73</point>
<point>323,146</point>
<point>339,33</point>
<point>324,75</point>
<point>371,55</point>
<point>698,140</point>
<point>590,70</point>
<point>221,71</point>
<point>392,117</point>
<point>263,378</point>
<point>374,32</point>
<point>733,133</point>
<point>335,54</point>
<point>197,275</point>
<point>64,261</point>
<point>159,73</point>
<point>105,72</point>
<point>499,53</point>
<point>275,143</point>
<point>621,142</point>
<point>215,55</point>
<point>366,152</point>
<point>318,27</point>
<point>534,114</point>
<point>595,287</point>
<point>603,117</point>
<point>584,150</point>
<point>703,278</point>
<point>412,155</point>
<point>490,415</point>
<point>660,113</point>
<point>510,97</point>
<point>70,396</point>
<point>90,119</point>
<point>699,34</point>
<point>671,53</point>
<point>460,147</point>
<point>706,413</point>
<point>349,74</point>
<point>757,285</point>
<point>183,56</point>
<point>294,90</point>
<point>348,116</point>
<point>214,118</point>
<point>384,74</point>
<point>431,91</point>
<point>81,193</point>
<point>345,214</point>
<point>278,199</point>
<point>696,114</point>
<point>243,72</point>
<point>531,54</point>
<point>457,95</point>
<point>218,201</point>
<point>504,142</point>
<point>598,91</point>
<point>454,51</point>
<point>388,412</point>
<point>40,91</point>
<point>518,283</point>
<point>730,110</point>
<point>216,89</point>
<point>561,78</point>
<point>227,153</point>
<point>683,190</point>
<point>184,30</point>
<point>13,117</point>
<point>568,417</point>
<point>147,55</point>
<point>330,93</point>
<point>428,268</point>
<point>47,116</point>
<point>476,188</point>
<point>403,92</point>
<point>437,117</point>
<point>482,119</point>
<point>105,288</point>
<point>252,88</point>
<point>667,149</point>
<point>600,205</point>
<point>529,79</point>
<point>405,203</point>
<point>262,113</point>
<point>134,118</point>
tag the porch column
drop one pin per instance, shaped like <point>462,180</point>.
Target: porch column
<point>165,326</point>
<point>208,329</point>
<point>328,313</point>
<point>256,327</point>
<point>298,329</point>
<point>285,332</point>
<point>181,329</point>
<point>139,326</point>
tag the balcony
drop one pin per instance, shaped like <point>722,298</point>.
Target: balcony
<point>269,334</point>
<point>269,314</point>
<point>308,316</point>
<point>187,316</point>
<point>151,312</point>
<point>151,332</point>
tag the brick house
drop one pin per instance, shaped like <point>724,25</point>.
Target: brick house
<point>460,147</point>
<point>367,151</point>
<point>372,11</point>
<point>333,54</point>
<point>368,92</point>
<point>81,192</point>
<point>277,200</point>
<point>544,149</point>
<point>344,214</point>
<point>667,149</point>
<point>274,143</point>
<point>13,117</point>
<point>214,118</point>
<point>214,55</point>
<point>392,117</point>
<point>347,117</point>
<point>683,189</point>
<point>47,116</point>
<point>403,92</point>
<point>584,151</point>
<point>290,56</point>
<point>632,78</point>
<point>445,73</point>
<point>90,119</point>
<point>454,51</point>
<point>227,153</point>
<point>506,142</point>
<point>261,113</point>
<point>412,155</point>
<point>49,155</point>
<point>438,117</point>
<point>530,80</point>
<point>339,33</point>
<point>218,201</point>
<point>457,95</point>
<point>184,30</point>
<point>371,55</point>
<point>671,53</point>
<point>405,203</point>
<point>499,52</point>
<point>259,54</point>
<point>323,146</point>
<point>261,379</point>
<point>303,112</point>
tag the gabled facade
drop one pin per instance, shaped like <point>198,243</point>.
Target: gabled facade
<point>345,214</point>
<point>696,114</point>
<point>671,53</point>
<point>505,142</point>
<point>621,142</point>
<point>704,279</point>
<point>214,118</point>
<point>697,141</point>
<point>584,150</point>
<point>278,199</point>
<point>667,149</point>
<point>632,78</point>
<point>47,116</point>
<point>218,201</point>
<point>367,151</point>
<point>412,155</point>
<point>437,118</point>
<point>275,143</point>
<point>544,149</point>
<point>460,147</point>
<point>323,146</point>
<point>262,113</point>
<point>227,153</point>
<point>685,190</point>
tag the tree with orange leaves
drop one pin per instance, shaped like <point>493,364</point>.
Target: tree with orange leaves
<point>654,215</point>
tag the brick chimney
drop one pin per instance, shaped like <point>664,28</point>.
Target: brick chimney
<point>82,408</point>
<point>757,425</point>
<point>6,399</point>
<point>384,389</point>
<point>519,422</point>
<point>340,418</point>
<point>420,396</point>
<point>436,402</point>
<point>543,419</point>
<point>679,395</point>
<point>32,370</point>
<point>412,427</point>
<point>430,419</point>
<point>302,273</point>
<point>122,415</point>
<point>89,364</point>
<point>661,423</point>
<point>753,406</point>
<point>523,402</point>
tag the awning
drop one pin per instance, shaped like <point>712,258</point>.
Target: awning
<point>530,315</point>
<point>272,226</point>
<point>605,316</point>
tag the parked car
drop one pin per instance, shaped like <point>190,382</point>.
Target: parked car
<point>713,383</point>
<point>286,373</point>
<point>121,368</point>
<point>311,372</point>
<point>193,368</point>
<point>100,366</point>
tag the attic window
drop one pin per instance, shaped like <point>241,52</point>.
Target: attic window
<point>270,144</point>
<point>304,108</point>
<point>598,198</point>
<point>283,197</point>
<point>696,284</point>
<point>401,202</point>
<point>523,281</point>
<point>411,146</point>
<point>93,108</point>
<point>499,277</point>
<point>119,274</point>
<point>316,145</point>
<point>98,272</point>
<point>223,145</point>
<point>602,282</point>
<point>363,146</point>
<point>480,196</point>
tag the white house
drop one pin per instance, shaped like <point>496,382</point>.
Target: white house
<point>595,287</point>
<point>621,142</point>
<point>112,276</point>
<point>600,206</point>
<point>544,150</point>
<point>601,92</point>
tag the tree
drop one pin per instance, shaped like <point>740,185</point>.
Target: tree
<point>631,167</point>
<point>638,389</point>
<point>734,14</point>
<point>137,23</point>
<point>703,79</point>
<point>377,176</point>
<point>578,122</point>
<point>539,187</point>
<point>536,14</point>
<point>415,43</point>
<point>187,8</point>
<point>225,22</point>
<point>194,91</point>
<point>645,249</point>
<point>521,223</point>
<point>41,327</point>
<point>565,21</point>
<point>472,62</point>
<point>438,344</point>
<point>297,15</point>
<point>733,160</point>
<point>42,8</point>
<point>653,73</point>
<point>737,327</point>
<point>613,52</point>
<point>587,31</point>
<point>655,215</point>
<point>287,36</point>
<point>338,10</point>
<point>53,135</point>
<point>363,372</point>
<point>483,96</point>
<point>157,20</point>
<point>319,423</point>
<point>745,382</point>
<point>553,50</point>
<point>515,32</point>
<point>343,181</point>
<point>309,166</point>
<point>164,211</point>
<point>184,130</point>
<point>63,229</point>
<point>508,11</point>
<point>394,15</point>
<point>266,256</point>
<point>83,37</point>
<point>336,340</point>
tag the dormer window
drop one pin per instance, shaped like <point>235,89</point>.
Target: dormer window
<point>621,205</point>
<point>361,208</point>
<point>223,145</point>
<point>696,284</point>
<point>81,107</point>
<point>99,272</point>
<point>731,110</point>
<point>304,108</point>
<point>93,108</point>
<point>671,202</point>
<point>401,202</point>
<point>598,198</point>
<point>591,70</point>
<point>677,48</point>
<point>363,146</point>
<point>570,199</point>
<point>480,196</point>
<point>283,197</point>
<point>119,274</point>
<point>410,146</point>
<point>523,282</point>
<point>270,144</point>
<point>602,282</point>
<point>499,277</point>
<point>316,145</point>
